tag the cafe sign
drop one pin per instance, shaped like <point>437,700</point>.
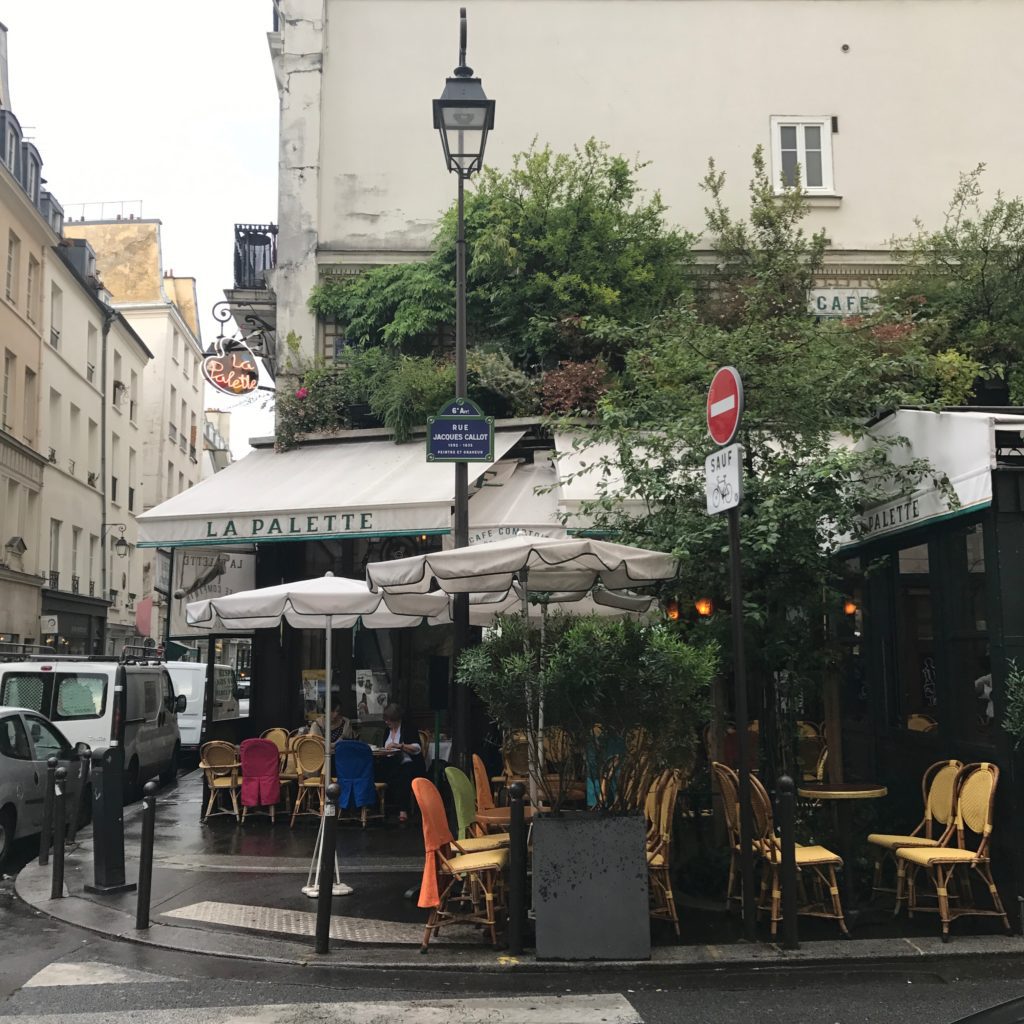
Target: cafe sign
<point>285,527</point>
<point>836,303</point>
<point>230,368</point>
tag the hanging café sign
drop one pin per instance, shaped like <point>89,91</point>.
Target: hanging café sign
<point>230,367</point>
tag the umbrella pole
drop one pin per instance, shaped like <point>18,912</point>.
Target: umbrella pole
<point>531,735</point>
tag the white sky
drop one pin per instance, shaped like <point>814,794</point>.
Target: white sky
<point>173,104</point>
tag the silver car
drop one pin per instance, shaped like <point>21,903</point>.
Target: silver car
<point>27,741</point>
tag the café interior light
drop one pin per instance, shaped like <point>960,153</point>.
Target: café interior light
<point>705,607</point>
<point>850,607</point>
<point>672,610</point>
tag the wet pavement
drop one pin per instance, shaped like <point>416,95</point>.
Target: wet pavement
<point>236,891</point>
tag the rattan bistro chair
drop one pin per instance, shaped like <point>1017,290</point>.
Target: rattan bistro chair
<point>937,792</point>
<point>815,862</point>
<point>975,791</point>
<point>309,763</point>
<point>660,809</point>
<point>220,764</point>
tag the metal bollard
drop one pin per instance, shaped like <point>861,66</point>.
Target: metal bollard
<point>46,832</point>
<point>786,809</point>
<point>57,875</point>
<point>516,869</point>
<point>75,815</point>
<point>108,823</point>
<point>325,893</point>
<point>146,855</point>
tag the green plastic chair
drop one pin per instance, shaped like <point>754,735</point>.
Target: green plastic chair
<point>465,799</point>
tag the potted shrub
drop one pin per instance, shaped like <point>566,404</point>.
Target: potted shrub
<point>625,700</point>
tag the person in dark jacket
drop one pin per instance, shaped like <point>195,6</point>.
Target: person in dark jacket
<point>404,764</point>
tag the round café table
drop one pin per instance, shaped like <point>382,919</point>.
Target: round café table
<point>841,795</point>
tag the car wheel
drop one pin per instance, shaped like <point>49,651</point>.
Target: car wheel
<point>8,823</point>
<point>170,773</point>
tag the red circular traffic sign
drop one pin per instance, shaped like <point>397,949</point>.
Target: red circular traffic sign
<point>725,405</point>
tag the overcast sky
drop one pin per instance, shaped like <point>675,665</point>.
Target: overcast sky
<point>170,104</point>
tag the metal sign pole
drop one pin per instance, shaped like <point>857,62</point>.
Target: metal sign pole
<point>742,734</point>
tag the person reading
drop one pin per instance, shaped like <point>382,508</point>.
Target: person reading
<point>405,762</point>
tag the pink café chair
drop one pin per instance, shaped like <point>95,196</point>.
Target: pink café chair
<point>261,782</point>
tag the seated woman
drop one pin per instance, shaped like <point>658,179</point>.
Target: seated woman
<point>341,727</point>
<point>404,765</point>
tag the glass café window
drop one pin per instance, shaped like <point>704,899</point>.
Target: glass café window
<point>915,640</point>
<point>970,667</point>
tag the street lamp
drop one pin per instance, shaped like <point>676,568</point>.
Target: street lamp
<point>464,116</point>
<point>121,546</point>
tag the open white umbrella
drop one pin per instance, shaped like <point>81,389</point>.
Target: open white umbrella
<point>326,602</point>
<point>521,566</point>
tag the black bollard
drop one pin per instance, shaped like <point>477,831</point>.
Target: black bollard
<point>46,832</point>
<point>146,855</point>
<point>516,869</point>
<point>108,823</point>
<point>325,893</point>
<point>57,874</point>
<point>786,809</point>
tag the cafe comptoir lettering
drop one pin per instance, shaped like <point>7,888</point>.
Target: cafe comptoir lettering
<point>291,526</point>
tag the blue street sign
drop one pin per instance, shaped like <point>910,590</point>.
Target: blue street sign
<point>460,433</point>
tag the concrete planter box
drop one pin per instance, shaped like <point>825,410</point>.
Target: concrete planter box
<point>590,888</point>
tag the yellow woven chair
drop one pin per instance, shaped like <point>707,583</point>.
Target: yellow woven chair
<point>937,785</point>
<point>309,764</point>
<point>278,736</point>
<point>921,723</point>
<point>661,806</point>
<point>223,771</point>
<point>817,862</point>
<point>975,791</point>
<point>728,786</point>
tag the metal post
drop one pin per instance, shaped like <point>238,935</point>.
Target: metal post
<point>108,822</point>
<point>461,524</point>
<point>57,875</point>
<point>742,735</point>
<point>46,832</point>
<point>325,892</point>
<point>786,809</point>
<point>76,807</point>
<point>146,855</point>
<point>516,870</point>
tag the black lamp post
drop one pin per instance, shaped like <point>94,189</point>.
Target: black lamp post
<point>464,116</point>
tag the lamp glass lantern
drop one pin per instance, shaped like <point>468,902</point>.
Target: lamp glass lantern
<point>464,116</point>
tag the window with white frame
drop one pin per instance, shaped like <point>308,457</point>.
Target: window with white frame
<point>9,369</point>
<point>13,268</point>
<point>802,150</point>
<point>32,294</point>
<point>12,149</point>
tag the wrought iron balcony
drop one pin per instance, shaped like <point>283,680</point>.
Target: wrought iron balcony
<point>54,579</point>
<point>255,254</point>
<point>75,581</point>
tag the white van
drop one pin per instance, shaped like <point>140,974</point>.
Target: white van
<point>101,702</point>
<point>189,678</point>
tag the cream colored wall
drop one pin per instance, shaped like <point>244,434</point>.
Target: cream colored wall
<point>127,256</point>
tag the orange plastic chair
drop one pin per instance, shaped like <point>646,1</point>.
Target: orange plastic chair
<point>446,863</point>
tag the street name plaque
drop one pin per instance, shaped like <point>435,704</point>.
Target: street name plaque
<point>460,432</point>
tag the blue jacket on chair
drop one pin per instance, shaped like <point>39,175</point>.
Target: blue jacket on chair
<point>353,764</point>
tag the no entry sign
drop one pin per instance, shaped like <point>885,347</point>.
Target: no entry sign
<point>725,405</point>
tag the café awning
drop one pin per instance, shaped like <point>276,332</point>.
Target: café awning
<point>326,491</point>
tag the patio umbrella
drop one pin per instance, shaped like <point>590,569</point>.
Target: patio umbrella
<point>568,569</point>
<point>326,602</point>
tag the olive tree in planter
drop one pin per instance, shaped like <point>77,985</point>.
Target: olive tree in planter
<point>627,699</point>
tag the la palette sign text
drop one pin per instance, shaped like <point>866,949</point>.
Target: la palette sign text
<point>231,369</point>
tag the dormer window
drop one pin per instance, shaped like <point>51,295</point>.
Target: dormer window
<point>13,145</point>
<point>32,185</point>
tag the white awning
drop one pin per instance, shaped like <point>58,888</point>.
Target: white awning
<point>961,445</point>
<point>588,472</point>
<point>323,491</point>
<point>516,498</point>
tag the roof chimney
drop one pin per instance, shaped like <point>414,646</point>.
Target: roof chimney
<point>5,89</point>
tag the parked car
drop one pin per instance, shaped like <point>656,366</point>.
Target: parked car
<point>102,701</point>
<point>189,679</point>
<point>27,741</point>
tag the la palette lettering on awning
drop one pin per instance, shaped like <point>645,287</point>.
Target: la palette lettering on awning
<point>290,526</point>
<point>891,517</point>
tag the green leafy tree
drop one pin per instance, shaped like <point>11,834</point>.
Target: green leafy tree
<point>962,284</point>
<point>805,383</point>
<point>565,257</point>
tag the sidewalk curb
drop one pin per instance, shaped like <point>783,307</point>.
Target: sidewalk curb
<point>33,887</point>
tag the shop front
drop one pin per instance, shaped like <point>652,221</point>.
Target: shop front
<point>934,623</point>
<point>73,623</point>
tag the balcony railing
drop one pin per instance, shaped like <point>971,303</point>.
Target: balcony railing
<point>92,588</point>
<point>255,254</point>
<point>54,579</point>
<point>75,581</point>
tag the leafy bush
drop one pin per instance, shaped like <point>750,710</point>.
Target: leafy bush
<point>574,388</point>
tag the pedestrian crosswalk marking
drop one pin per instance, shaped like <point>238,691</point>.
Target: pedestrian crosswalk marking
<point>93,972</point>
<point>583,1009</point>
